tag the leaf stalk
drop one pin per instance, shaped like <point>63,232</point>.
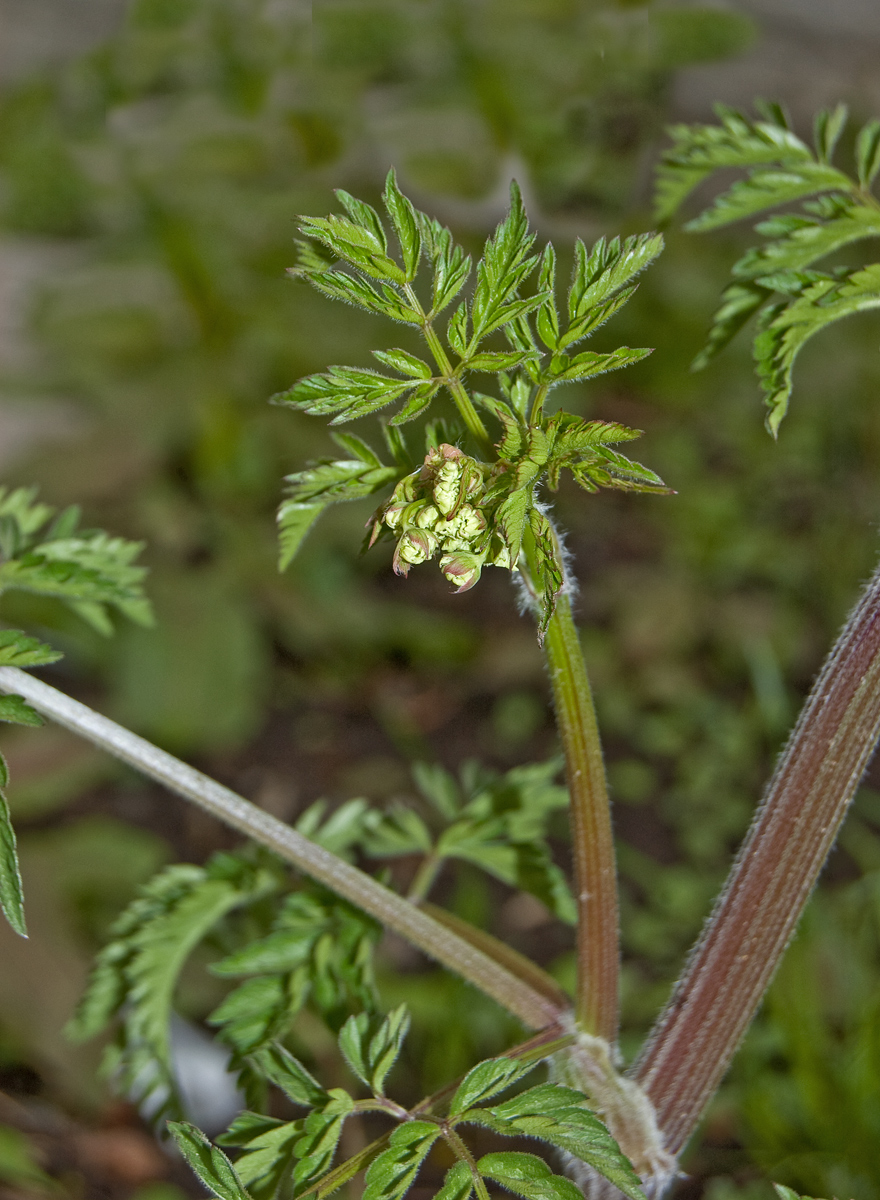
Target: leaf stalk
<point>440,943</point>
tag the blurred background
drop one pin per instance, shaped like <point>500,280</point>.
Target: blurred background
<point>153,156</point>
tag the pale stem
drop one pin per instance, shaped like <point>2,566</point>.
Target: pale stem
<point>440,943</point>
<point>733,962</point>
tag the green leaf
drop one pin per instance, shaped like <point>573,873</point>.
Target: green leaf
<point>260,1010</point>
<point>458,1184</point>
<point>11,897</point>
<point>606,268</point>
<point>740,301</point>
<point>510,522</point>
<point>513,439</point>
<point>607,468</point>
<point>549,570</point>
<point>406,225</point>
<point>406,363</point>
<point>558,1116</point>
<point>399,830</point>
<point>321,484</point>
<point>698,150</point>
<point>504,267</point>
<point>392,1174</point>
<point>786,327</point>
<point>547,320</point>
<point>588,364</point>
<point>321,1133</point>
<point>348,392</point>
<point>209,1164</point>
<point>364,215</point>
<point>286,1072</point>
<point>595,318</point>
<point>828,127</point>
<point>371,1046</point>
<point>438,787</point>
<point>18,712</point>
<point>493,361</point>
<point>89,573</point>
<point>352,289</point>
<point>418,402</point>
<point>356,244</point>
<point>868,153</point>
<point>768,189</point>
<point>451,265</point>
<point>486,1080</point>
<point>269,1151</point>
<point>19,650</point>
<point>139,969</point>
<point>528,1176</point>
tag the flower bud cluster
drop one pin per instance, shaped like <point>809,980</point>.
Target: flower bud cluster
<point>441,510</point>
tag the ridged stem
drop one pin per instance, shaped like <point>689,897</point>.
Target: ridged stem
<point>595,875</point>
<point>439,942</point>
<point>794,828</point>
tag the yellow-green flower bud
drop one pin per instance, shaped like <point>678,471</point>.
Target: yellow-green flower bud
<point>428,517</point>
<point>446,487</point>
<point>463,569</point>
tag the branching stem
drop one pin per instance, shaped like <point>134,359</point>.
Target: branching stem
<point>440,943</point>
<point>463,402</point>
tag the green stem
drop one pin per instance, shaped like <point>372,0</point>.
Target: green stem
<point>538,404</point>
<point>595,875</point>
<point>461,1152</point>
<point>463,402</point>
<point>424,879</point>
<point>440,943</point>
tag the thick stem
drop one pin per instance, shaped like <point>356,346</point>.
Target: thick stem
<point>437,941</point>
<point>595,877</point>
<point>732,964</point>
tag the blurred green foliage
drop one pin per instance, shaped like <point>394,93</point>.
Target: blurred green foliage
<point>167,167</point>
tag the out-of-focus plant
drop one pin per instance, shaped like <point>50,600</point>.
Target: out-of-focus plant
<point>173,157</point>
<point>472,501</point>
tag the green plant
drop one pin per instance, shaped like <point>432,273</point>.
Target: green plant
<point>472,504</point>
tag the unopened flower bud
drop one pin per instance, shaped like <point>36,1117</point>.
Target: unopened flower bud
<point>462,568</point>
<point>446,487</point>
<point>415,546</point>
<point>428,517</point>
<point>467,524</point>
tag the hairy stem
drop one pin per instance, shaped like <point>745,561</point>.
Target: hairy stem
<point>595,876</point>
<point>531,1007</point>
<point>816,777</point>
